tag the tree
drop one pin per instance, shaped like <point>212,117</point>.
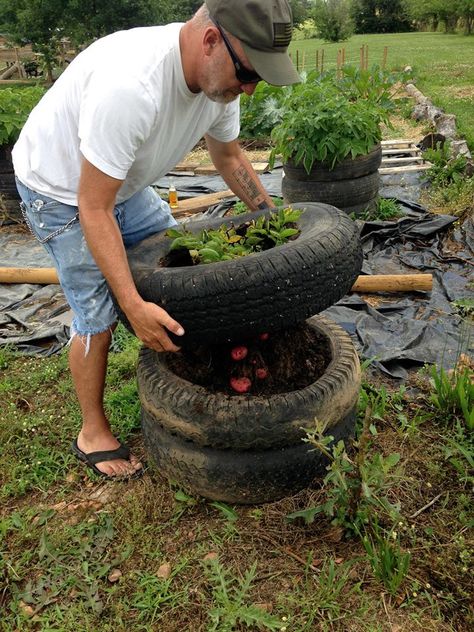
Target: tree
<point>380,16</point>
<point>90,19</point>
<point>332,19</point>
<point>35,21</point>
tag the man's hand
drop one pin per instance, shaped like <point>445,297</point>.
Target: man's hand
<point>150,322</point>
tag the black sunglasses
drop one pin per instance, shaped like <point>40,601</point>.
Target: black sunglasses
<point>243,74</point>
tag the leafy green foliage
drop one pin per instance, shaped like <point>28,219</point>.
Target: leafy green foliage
<point>224,244</point>
<point>453,394</point>
<point>260,111</point>
<point>329,117</point>
<point>15,106</point>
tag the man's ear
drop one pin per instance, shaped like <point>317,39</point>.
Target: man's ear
<point>210,39</point>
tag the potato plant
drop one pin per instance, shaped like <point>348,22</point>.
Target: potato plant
<point>232,242</point>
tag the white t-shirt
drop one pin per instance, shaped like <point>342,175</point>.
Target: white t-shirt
<point>124,105</point>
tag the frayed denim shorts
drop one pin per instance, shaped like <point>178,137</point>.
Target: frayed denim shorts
<point>57,227</point>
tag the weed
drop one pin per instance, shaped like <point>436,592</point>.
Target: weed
<point>389,563</point>
<point>74,565</point>
<point>459,451</point>
<point>445,169</point>
<point>230,514</point>
<point>355,489</point>
<point>240,208</point>
<point>385,209</point>
<point>229,594</point>
<point>5,357</point>
<point>453,394</point>
<point>464,306</point>
<point>456,198</point>
<point>154,593</point>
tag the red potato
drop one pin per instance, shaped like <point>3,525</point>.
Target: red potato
<point>261,373</point>
<point>264,336</point>
<point>239,353</point>
<point>240,384</point>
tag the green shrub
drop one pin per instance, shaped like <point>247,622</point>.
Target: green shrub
<point>15,106</point>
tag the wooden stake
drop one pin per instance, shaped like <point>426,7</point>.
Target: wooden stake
<point>297,60</point>
<point>361,58</point>
<point>384,60</point>
<point>364,283</point>
<point>322,61</point>
<point>317,60</point>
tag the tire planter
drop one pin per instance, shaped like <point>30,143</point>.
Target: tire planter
<point>10,211</point>
<point>7,175</point>
<point>351,186</point>
<point>246,449</point>
<point>266,291</point>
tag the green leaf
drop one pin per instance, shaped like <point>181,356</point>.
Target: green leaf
<point>230,514</point>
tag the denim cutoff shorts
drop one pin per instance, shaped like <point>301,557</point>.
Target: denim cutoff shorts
<point>57,227</point>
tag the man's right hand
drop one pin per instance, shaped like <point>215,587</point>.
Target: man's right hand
<point>150,322</point>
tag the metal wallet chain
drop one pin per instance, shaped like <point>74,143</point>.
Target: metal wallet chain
<point>56,232</point>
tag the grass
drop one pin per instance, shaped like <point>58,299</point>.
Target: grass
<point>80,554</point>
<point>443,66</point>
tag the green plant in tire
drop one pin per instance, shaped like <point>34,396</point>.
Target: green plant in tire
<point>225,244</point>
<point>328,118</point>
<point>15,106</point>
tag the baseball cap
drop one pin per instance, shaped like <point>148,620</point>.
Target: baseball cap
<point>264,28</point>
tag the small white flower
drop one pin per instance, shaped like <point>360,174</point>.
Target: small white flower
<point>415,594</point>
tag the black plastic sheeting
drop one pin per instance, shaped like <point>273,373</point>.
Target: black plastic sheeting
<point>396,331</point>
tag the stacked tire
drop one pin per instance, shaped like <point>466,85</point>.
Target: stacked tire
<point>352,185</point>
<point>10,199</point>
<point>245,448</point>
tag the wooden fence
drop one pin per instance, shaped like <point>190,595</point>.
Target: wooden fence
<point>317,60</point>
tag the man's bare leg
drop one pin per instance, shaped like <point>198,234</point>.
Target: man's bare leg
<point>88,374</point>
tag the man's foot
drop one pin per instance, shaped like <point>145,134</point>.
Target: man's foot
<point>107,457</point>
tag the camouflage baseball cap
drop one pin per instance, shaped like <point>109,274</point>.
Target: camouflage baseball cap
<point>264,28</point>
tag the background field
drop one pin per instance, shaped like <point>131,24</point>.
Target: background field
<point>443,66</point>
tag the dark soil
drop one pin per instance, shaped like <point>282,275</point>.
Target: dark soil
<point>292,359</point>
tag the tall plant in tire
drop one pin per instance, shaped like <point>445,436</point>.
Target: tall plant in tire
<point>328,118</point>
<point>329,138</point>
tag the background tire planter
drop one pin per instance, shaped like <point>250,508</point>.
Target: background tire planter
<point>267,291</point>
<point>246,449</point>
<point>250,422</point>
<point>352,184</point>
<point>10,211</point>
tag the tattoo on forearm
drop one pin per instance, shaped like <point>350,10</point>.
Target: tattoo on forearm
<point>247,183</point>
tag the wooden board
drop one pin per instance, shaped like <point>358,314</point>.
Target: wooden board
<point>209,168</point>
<point>200,203</point>
<point>404,168</point>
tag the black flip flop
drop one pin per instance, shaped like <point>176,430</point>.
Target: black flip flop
<point>122,452</point>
